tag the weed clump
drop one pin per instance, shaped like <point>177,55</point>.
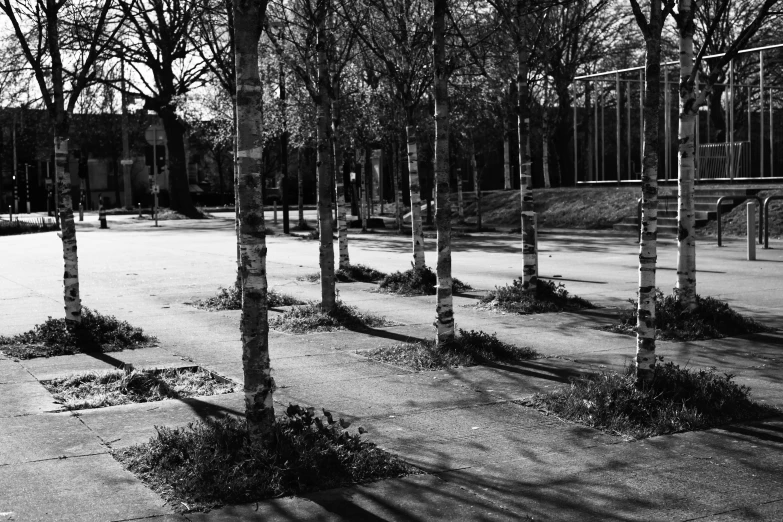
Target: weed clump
<point>712,319</point>
<point>98,390</point>
<point>676,400</point>
<point>470,348</point>
<point>352,274</point>
<point>312,318</point>
<point>97,333</point>
<point>417,281</point>
<point>231,299</point>
<point>215,462</point>
<point>548,298</point>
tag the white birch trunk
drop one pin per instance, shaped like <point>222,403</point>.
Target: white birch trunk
<point>258,382</point>
<point>71,294</point>
<point>445,308</point>
<point>342,225</point>
<point>529,232</point>
<point>686,216</point>
<point>545,149</point>
<point>506,161</point>
<point>417,231</point>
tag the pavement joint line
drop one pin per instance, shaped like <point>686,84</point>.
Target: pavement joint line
<point>151,517</point>
<point>61,457</point>
<point>471,491</point>
<point>433,410</point>
<point>732,510</point>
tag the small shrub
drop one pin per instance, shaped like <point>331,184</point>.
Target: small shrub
<point>311,318</point>
<point>352,274</point>
<point>97,333</point>
<point>97,390</point>
<point>712,319</point>
<point>16,227</point>
<point>469,349</point>
<point>676,400</point>
<point>231,299</point>
<point>548,297</point>
<point>215,462</point>
<point>417,281</point>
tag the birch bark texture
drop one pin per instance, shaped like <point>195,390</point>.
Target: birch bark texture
<point>444,322</point>
<point>417,231</point>
<point>71,294</point>
<point>254,326</point>
<point>648,244</point>
<point>342,224</point>
<point>529,233</point>
<point>324,165</point>
<point>686,211</point>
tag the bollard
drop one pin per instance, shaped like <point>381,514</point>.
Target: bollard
<point>751,209</point>
<point>274,202</point>
<point>81,211</point>
<point>102,216</point>
<point>10,214</point>
<point>140,210</point>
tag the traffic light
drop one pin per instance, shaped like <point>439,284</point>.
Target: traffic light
<point>161,153</point>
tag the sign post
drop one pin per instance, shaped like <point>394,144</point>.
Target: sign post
<point>155,135</point>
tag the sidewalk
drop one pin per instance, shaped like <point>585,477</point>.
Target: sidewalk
<point>486,457</point>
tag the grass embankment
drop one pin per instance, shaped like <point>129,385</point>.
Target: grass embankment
<point>712,319</point>
<point>735,222</point>
<point>548,298</point>
<point>470,348</point>
<point>231,299</point>
<point>98,390</point>
<point>417,281</point>
<point>98,333</point>
<point>676,400</point>
<point>352,274</point>
<point>580,208</point>
<point>16,227</point>
<point>214,462</point>
<point>311,318</point>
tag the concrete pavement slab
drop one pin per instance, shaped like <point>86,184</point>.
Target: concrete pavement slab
<point>413,498</point>
<point>48,368</point>
<point>12,372</point>
<point>93,488</point>
<point>25,398</point>
<point>40,437</point>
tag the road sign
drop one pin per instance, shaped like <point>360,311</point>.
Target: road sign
<point>156,189</point>
<point>155,135</point>
<point>126,162</point>
<point>49,183</point>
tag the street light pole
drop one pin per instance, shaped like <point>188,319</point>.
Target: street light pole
<point>27,185</point>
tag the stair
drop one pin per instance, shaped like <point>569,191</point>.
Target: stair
<point>705,199</point>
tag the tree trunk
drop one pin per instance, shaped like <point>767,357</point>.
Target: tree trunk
<point>648,244</point>
<point>342,225</point>
<point>476,182</point>
<point>445,309</point>
<point>362,166</point>
<point>686,215</point>
<point>254,325</point>
<point>509,101</point>
<point>73,303</point>
<point>179,185</point>
<point>413,174</point>
<point>300,187</point>
<point>529,237</point>
<point>397,187</point>
<point>545,149</point>
<point>324,162</point>
<point>460,201</point>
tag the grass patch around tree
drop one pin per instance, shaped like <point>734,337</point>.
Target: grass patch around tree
<point>548,298</point>
<point>311,318</point>
<point>712,319</point>
<point>98,333</point>
<point>16,227</point>
<point>677,400</point>
<point>231,299</point>
<point>214,462</point>
<point>101,389</point>
<point>352,274</point>
<point>470,348</point>
<point>417,281</point>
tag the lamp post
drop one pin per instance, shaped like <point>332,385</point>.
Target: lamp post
<point>27,185</point>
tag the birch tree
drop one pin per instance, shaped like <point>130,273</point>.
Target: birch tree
<point>254,325</point>
<point>690,101</point>
<point>651,27</point>
<point>36,25</point>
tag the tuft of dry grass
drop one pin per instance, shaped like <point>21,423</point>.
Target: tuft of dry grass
<point>312,318</point>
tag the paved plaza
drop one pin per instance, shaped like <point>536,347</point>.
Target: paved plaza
<point>486,456</point>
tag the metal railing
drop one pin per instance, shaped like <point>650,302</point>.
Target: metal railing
<point>743,198</point>
<point>766,218</point>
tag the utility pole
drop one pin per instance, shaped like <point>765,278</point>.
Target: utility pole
<point>13,172</point>
<point>27,185</point>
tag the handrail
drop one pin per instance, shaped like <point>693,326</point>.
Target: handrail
<point>744,198</point>
<point>766,218</point>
